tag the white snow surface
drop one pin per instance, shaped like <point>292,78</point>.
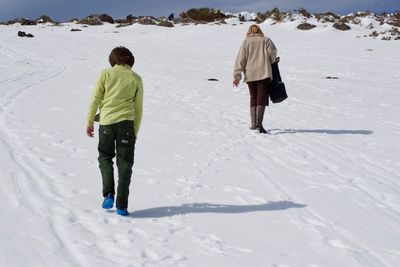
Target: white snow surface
<point>323,189</point>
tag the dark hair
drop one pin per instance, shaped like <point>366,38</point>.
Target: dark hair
<point>121,56</point>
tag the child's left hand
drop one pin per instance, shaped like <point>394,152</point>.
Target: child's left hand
<point>89,131</point>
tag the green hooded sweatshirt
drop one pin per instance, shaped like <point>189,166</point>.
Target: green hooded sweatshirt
<point>118,95</point>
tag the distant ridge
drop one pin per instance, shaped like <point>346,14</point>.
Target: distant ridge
<point>385,26</point>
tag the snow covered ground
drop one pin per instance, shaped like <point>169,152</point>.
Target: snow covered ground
<point>323,189</point>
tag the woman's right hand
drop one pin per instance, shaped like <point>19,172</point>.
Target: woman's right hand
<point>236,83</point>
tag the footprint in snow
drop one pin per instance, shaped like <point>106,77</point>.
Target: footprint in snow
<point>211,243</point>
<point>336,243</point>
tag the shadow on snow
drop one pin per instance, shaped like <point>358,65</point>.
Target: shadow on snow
<point>212,208</point>
<point>320,131</point>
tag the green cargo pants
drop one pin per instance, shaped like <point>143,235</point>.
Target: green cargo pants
<point>120,138</point>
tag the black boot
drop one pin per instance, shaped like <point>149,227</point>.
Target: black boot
<point>253,116</point>
<point>260,117</point>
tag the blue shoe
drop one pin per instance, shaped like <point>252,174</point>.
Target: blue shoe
<point>122,212</point>
<point>108,202</point>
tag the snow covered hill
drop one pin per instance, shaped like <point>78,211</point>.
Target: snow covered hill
<point>323,189</point>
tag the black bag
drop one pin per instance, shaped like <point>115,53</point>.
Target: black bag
<point>277,90</point>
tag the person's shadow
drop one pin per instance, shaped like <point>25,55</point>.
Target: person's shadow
<point>168,211</point>
<point>320,131</point>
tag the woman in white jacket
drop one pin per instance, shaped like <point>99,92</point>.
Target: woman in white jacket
<point>254,59</point>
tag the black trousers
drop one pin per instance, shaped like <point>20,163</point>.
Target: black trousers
<point>259,92</point>
<point>117,140</point>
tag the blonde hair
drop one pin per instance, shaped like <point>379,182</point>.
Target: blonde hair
<point>254,29</point>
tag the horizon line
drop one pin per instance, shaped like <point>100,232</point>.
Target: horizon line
<point>225,12</point>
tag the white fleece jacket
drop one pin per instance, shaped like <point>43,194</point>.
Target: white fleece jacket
<point>254,59</point>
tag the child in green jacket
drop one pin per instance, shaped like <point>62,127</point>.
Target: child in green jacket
<point>118,95</point>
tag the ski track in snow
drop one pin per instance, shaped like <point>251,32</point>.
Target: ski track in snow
<point>30,191</point>
<point>321,190</point>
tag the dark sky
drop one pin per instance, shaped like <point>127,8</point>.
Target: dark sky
<point>63,10</point>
